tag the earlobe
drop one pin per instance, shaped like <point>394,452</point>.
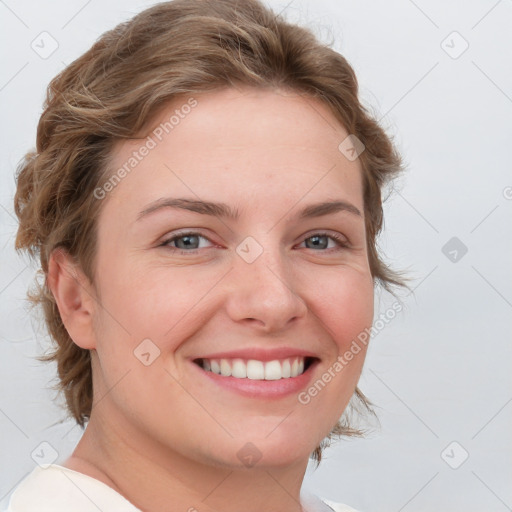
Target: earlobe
<point>73,294</point>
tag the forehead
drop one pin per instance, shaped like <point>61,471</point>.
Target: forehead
<point>275,144</point>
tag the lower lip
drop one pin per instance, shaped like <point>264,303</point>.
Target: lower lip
<point>267,389</point>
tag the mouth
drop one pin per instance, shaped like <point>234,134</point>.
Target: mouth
<point>253,372</point>
<point>256,370</point>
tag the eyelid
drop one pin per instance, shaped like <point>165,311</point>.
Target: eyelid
<point>340,240</point>
<point>186,232</point>
<point>326,232</point>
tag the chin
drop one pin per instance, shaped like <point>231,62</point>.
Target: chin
<point>273,451</point>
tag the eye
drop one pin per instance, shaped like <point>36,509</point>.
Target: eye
<point>190,241</point>
<point>321,241</point>
<point>185,241</point>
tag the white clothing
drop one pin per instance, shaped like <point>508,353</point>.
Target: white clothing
<point>59,489</point>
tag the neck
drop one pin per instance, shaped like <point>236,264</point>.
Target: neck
<point>151,476</point>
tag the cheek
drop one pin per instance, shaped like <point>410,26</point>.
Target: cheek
<point>163,304</point>
<point>345,309</point>
<point>153,302</point>
<point>344,304</point>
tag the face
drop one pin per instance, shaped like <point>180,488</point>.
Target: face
<point>264,289</point>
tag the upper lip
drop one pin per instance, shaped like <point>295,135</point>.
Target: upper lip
<point>260,354</point>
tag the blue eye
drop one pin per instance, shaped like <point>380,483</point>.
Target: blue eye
<point>185,241</point>
<point>321,241</point>
<point>191,241</point>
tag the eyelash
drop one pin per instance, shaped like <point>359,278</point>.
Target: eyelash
<point>340,241</point>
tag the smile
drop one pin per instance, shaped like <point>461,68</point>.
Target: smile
<point>256,370</point>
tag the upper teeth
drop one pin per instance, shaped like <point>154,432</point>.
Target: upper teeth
<point>254,369</point>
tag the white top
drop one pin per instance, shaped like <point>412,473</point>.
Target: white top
<point>59,489</point>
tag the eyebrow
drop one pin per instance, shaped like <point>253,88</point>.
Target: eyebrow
<point>223,210</point>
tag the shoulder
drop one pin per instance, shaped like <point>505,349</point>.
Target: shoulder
<point>338,507</point>
<point>59,489</point>
<point>314,503</point>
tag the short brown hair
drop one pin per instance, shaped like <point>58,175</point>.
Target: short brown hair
<point>127,77</point>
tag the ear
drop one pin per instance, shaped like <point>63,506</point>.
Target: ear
<point>75,297</point>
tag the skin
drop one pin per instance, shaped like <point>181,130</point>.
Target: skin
<point>158,434</point>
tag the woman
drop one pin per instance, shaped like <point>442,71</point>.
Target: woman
<point>205,199</point>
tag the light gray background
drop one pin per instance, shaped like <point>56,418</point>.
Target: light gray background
<point>440,371</point>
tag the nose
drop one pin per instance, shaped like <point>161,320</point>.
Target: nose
<point>263,293</point>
